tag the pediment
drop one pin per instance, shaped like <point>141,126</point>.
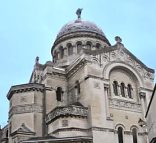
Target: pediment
<point>118,53</point>
<point>23,129</point>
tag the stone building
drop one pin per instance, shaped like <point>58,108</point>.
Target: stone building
<point>91,92</point>
<point>151,117</point>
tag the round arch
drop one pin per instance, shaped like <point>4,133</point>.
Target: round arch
<point>108,68</point>
<point>134,126</point>
<point>119,125</point>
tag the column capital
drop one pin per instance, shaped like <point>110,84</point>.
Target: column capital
<point>106,85</point>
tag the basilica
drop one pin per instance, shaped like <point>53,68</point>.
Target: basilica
<point>90,92</point>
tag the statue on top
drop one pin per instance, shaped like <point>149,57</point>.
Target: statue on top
<point>78,12</point>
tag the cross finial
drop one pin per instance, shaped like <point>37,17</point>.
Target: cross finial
<point>78,12</point>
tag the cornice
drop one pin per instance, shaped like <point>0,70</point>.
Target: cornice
<point>25,88</point>
<point>77,35</point>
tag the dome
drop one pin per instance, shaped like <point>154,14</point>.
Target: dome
<point>79,26</point>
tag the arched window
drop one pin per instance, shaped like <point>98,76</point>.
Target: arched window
<point>7,134</point>
<point>129,90</point>
<point>70,49</point>
<point>120,134</point>
<point>115,87</point>
<point>77,89</point>
<point>88,45</point>
<point>77,86</point>
<point>98,46</point>
<point>55,56</point>
<point>79,47</point>
<point>61,52</point>
<point>59,93</point>
<point>134,133</point>
<point>122,87</point>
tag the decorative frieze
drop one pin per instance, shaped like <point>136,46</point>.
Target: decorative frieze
<point>125,55</point>
<point>67,111</point>
<point>124,105</point>
<point>28,108</point>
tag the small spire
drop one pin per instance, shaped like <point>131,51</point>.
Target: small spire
<point>78,12</point>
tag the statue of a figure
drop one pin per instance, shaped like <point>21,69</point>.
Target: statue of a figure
<point>78,12</point>
<point>37,60</point>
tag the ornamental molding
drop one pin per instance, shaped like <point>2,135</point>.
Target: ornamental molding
<point>102,129</point>
<point>75,68</point>
<point>77,35</point>
<point>66,111</point>
<point>71,129</point>
<point>27,108</point>
<point>124,105</point>
<point>54,75</point>
<point>25,88</point>
<point>108,55</point>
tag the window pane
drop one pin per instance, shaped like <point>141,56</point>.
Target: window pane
<point>115,87</point>
<point>129,91</point>
<point>122,89</point>
<point>134,132</point>
<point>120,135</point>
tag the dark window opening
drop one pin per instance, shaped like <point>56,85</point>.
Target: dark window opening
<point>61,52</point>
<point>129,91</point>
<point>59,93</point>
<point>55,56</point>
<point>115,87</point>
<point>120,135</point>
<point>79,47</point>
<point>70,49</point>
<point>98,46</point>
<point>77,86</point>
<point>88,45</point>
<point>122,87</point>
<point>7,134</point>
<point>134,133</point>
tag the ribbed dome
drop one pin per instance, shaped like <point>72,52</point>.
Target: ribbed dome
<point>79,26</point>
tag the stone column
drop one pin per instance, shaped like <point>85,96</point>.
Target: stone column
<point>142,99</point>
<point>106,90</point>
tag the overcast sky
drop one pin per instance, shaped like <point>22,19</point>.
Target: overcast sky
<point>28,29</point>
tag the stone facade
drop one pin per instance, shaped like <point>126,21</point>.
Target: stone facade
<point>151,118</point>
<point>91,91</point>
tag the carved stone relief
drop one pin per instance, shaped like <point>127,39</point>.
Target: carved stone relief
<point>67,111</point>
<point>129,60</point>
<point>125,105</point>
